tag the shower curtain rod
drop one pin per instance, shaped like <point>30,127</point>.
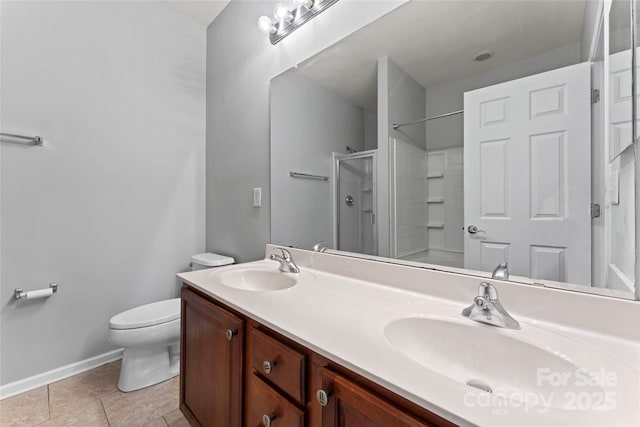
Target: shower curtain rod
<point>397,126</point>
<point>11,137</point>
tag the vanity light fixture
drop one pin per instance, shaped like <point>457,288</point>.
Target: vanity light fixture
<point>287,20</point>
<point>304,3</point>
<point>282,13</point>
<point>266,26</point>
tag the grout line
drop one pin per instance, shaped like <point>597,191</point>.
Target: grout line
<point>48,407</point>
<point>48,401</point>
<point>105,412</point>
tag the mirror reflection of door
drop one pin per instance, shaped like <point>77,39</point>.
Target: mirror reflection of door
<point>619,169</point>
<point>558,207</point>
<point>355,203</point>
<point>527,174</point>
<point>620,97</point>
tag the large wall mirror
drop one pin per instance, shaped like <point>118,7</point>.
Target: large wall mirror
<point>464,134</point>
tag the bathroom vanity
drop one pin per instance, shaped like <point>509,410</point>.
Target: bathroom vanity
<point>281,382</point>
<point>353,342</point>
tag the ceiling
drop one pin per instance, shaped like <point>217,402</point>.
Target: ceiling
<point>201,11</point>
<point>435,42</point>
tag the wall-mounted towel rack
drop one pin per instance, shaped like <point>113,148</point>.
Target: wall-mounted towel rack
<point>308,176</point>
<point>20,139</point>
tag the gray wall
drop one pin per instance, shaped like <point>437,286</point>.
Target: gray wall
<point>370,128</point>
<point>308,123</point>
<point>112,206</point>
<point>406,100</point>
<point>447,132</point>
<point>240,64</point>
<point>400,99</point>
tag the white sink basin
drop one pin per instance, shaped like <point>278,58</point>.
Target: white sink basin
<point>257,280</point>
<point>530,364</point>
<point>478,355</point>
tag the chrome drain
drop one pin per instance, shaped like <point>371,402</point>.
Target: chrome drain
<point>480,385</point>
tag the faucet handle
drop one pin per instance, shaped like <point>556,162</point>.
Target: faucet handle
<point>286,255</point>
<point>320,246</point>
<point>501,272</point>
<point>488,292</point>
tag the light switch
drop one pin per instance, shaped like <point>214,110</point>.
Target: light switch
<point>257,197</point>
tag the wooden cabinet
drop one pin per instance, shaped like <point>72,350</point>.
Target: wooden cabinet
<point>276,380</point>
<point>260,378</point>
<point>348,404</point>
<point>210,363</point>
<point>267,407</point>
<point>278,364</point>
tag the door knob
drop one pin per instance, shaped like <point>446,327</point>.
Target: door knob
<point>230,334</point>
<point>267,366</point>
<point>267,419</point>
<point>472,229</point>
<point>323,396</point>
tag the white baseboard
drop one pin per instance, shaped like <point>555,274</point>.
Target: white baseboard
<point>58,374</point>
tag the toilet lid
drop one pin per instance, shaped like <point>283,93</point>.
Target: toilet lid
<point>212,260</point>
<point>155,313</point>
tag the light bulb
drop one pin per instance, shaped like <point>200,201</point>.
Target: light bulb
<point>306,3</point>
<point>282,12</point>
<point>265,25</point>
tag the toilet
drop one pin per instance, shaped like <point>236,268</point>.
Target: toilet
<point>150,335</point>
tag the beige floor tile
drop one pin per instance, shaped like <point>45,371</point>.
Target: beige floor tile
<point>176,419</point>
<point>26,409</point>
<point>160,422</point>
<point>83,389</point>
<point>141,407</point>
<point>91,414</point>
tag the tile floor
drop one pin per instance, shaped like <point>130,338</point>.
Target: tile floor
<point>91,399</point>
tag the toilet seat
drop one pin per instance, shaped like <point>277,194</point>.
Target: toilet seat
<point>147,315</point>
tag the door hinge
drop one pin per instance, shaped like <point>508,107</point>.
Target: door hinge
<point>595,96</point>
<point>595,210</point>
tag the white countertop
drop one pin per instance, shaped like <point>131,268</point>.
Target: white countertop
<point>343,319</point>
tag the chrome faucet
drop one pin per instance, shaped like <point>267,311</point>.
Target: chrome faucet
<point>286,262</point>
<point>487,309</point>
<point>501,272</point>
<point>320,246</point>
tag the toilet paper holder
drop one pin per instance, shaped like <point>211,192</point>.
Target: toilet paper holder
<point>20,293</point>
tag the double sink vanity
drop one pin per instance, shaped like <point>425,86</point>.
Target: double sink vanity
<point>356,342</point>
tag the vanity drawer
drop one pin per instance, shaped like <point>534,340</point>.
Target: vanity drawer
<point>265,407</point>
<point>279,364</point>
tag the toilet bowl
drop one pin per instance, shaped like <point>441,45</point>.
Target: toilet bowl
<point>150,336</point>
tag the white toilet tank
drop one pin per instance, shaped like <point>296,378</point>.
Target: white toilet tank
<point>209,260</point>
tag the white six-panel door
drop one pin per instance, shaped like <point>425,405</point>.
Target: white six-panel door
<point>527,176</point>
<point>620,136</point>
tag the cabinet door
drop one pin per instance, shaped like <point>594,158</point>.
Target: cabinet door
<point>210,363</point>
<point>350,405</point>
<point>267,407</point>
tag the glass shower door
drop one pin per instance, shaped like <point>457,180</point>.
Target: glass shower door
<point>356,203</point>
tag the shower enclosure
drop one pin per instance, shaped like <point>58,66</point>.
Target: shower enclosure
<point>355,202</point>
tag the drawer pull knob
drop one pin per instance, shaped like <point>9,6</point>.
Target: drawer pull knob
<point>323,396</point>
<point>267,419</point>
<point>230,334</point>
<point>267,366</point>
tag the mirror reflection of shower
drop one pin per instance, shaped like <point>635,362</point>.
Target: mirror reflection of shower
<point>355,202</point>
